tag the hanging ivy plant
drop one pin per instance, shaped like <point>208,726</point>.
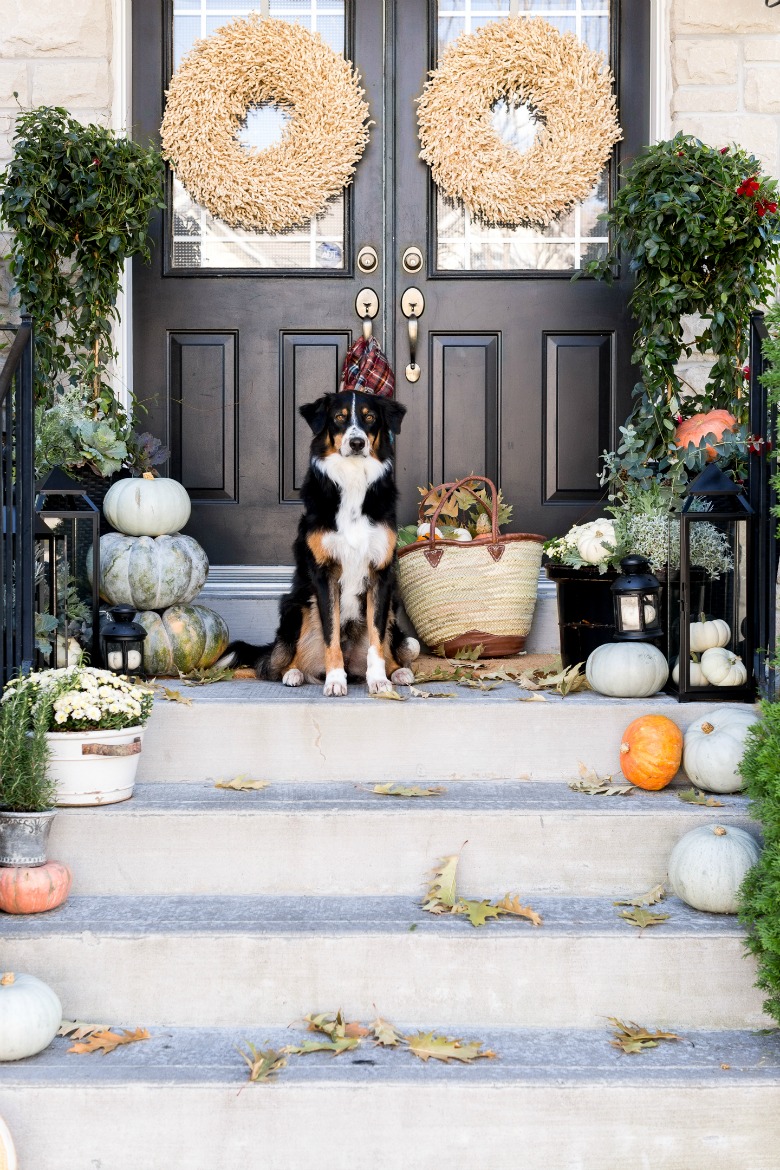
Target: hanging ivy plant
<point>76,200</point>
<point>700,229</point>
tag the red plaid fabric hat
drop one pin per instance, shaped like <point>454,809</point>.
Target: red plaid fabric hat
<point>366,368</point>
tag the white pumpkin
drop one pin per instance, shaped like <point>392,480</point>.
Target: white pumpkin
<point>7,1149</point>
<point>592,538</point>
<point>626,669</point>
<point>425,530</point>
<point>30,1015</point>
<point>695,676</point>
<point>706,634</point>
<point>708,865</point>
<point>714,748</point>
<point>147,506</point>
<point>151,572</point>
<point>721,668</point>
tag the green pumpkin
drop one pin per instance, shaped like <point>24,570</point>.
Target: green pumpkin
<point>151,572</point>
<point>182,638</point>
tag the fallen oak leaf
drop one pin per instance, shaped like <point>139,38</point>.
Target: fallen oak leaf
<point>696,796</point>
<point>389,695</point>
<point>643,918</point>
<point>441,895</point>
<point>242,783</point>
<point>262,1064</point>
<point>657,894</point>
<point>510,905</point>
<point>476,912</point>
<point>203,676</point>
<point>428,1045</point>
<point>630,1037</point>
<point>174,696</point>
<point>79,1029</point>
<point>385,1034</point>
<point>107,1041</point>
<point>416,693</point>
<point>601,789</point>
<point>533,697</point>
<point>336,1046</point>
<point>334,1026</point>
<point>399,790</point>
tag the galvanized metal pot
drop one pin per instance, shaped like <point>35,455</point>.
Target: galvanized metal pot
<point>24,837</point>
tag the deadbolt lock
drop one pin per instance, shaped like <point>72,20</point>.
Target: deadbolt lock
<point>367,259</point>
<point>412,260</point>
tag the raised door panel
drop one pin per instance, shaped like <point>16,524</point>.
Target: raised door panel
<point>203,396</point>
<point>579,405</point>
<point>310,364</point>
<point>465,406</point>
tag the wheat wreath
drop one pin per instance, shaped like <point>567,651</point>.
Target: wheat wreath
<point>568,88</point>
<point>249,62</point>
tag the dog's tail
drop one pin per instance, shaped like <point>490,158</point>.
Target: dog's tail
<point>244,654</point>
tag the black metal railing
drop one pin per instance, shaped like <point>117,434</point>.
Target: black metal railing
<point>763,499</point>
<point>17,503</point>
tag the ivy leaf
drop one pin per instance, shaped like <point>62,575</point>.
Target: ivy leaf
<point>657,894</point>
<point>511,905</point>
<point>399,790</point>
<point>389,695</point>
<point>630,1037</point>
<point>385,1035</point>
<point>427,1046</point>
<point>107,1041</point>
<point>262,1064</point>
<point>696,796</point>
<point>79,1030</point>
<point>642,918</point>
<point>476,912</point>
<point>242,782</point>
<point>441,896</point>
<point>174,696</point>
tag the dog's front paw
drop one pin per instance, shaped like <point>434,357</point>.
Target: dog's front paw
<point>292,678</point>
<point>377,685</point>
<point>408,651</point>
<point>403,677</point>
<point>335,683</point>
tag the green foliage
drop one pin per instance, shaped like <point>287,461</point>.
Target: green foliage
<point>76,200</point>
<point>760,893</point>
<point>771,379</point>
<point>699,228</point>
<point>24,782</point>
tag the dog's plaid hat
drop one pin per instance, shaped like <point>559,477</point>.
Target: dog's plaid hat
<point>367,369</point>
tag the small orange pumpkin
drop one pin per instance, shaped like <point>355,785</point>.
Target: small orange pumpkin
<point>693,430</point>
<point>31,889</point>
<point>651,751</point>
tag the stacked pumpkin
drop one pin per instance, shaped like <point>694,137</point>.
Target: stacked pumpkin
<point>149,564</point>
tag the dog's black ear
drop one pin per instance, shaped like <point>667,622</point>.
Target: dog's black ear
<point>316,413</point>
<point>392,412</point>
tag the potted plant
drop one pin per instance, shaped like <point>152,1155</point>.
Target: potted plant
<point>27,789</point>
<point>94,726</point>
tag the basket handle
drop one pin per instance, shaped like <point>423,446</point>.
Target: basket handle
<point>451,488</point>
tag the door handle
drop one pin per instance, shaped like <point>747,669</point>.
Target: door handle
<point>367,306</point>
<point>412,306</point>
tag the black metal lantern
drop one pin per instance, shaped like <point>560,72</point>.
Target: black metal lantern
<point>636,595</point>
<point>67,540</point>
<point>710,619</point>
<point>122,641</point>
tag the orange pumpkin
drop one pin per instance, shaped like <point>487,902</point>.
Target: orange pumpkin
<point>651,751</point>
<point>31,889</point>
<point>693,430</point>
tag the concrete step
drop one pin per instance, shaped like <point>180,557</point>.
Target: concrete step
<point>295,734</point>
<point>182,1099</point>
<point>246,960</point>
<point>340,839</point>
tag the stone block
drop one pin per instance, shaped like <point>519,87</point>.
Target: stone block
<point>757,133</point>
<point>762,88</point>
<point>706,61</point>
<point>78,28</point>
<point>13,76</point>
<point>74,84</point>
<point>761,48</point>
<point>700,99</point>
<point>722,16</point>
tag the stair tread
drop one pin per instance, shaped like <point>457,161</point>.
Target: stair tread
<point>115,915</point>
<point>524,1055</point>
<point>484,796</point>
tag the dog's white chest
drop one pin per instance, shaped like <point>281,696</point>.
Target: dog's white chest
<point>357,543</point>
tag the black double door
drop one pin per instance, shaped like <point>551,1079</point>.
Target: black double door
<point>525,375</point>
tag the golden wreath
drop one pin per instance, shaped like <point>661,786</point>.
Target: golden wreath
<point>249,62</point>
<point>569,90</point>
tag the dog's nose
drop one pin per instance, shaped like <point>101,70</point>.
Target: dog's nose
<point>356,443</point>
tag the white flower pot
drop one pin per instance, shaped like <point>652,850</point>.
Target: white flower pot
<point>94,767</point>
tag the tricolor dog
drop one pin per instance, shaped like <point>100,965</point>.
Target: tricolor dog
<point>338,620</point>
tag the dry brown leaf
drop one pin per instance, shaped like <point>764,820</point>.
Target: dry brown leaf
<point>107,1041</point>
<point>534,697</point>
<point>242,783</point>
<point>476,912</point>
<point>399,790</point>
<point>416,693</point>
<point>512,905</point>
<point>389,695</point>
<point>696,796</point>
<point>385,1034</point>
<point>442,895</point>
<point>174,696</point>
<point>657,894</point>
<point>79,1029</point>
<point>643,918</point>
<point>337,1045</point>
<point>427,1046</point>
<point>630,1037</point>
<point>262,1065</point>
<point>594,785</point>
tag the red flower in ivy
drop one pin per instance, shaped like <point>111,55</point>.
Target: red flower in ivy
<point>749,187</point>
<point>756,445</point>
<point>746,372</point>
<point>724,150</point>
<point>763,206</point>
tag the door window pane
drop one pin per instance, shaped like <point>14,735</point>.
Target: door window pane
<point>465,243</point>
<point>199,240</point>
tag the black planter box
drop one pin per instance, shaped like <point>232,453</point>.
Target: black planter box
<point>586,616</point>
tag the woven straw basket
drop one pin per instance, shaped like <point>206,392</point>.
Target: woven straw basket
<point>460,594</point>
